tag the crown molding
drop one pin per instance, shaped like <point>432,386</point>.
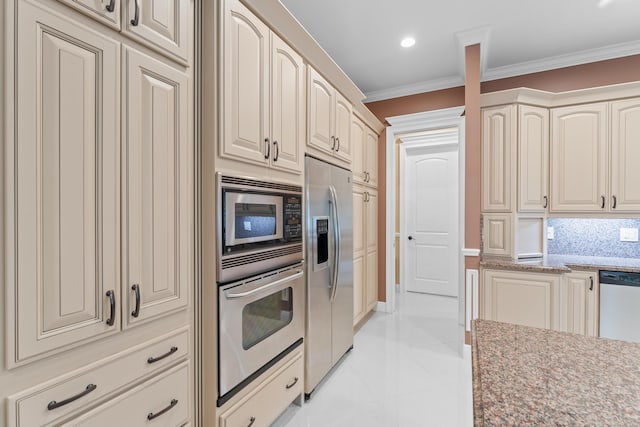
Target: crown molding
<point>414,88</point>
<point>563,61</point>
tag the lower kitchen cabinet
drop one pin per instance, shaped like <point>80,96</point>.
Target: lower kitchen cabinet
<point>365,251</point>
<point>262,405</point>
<point>529,299</point>
<point>580,303</point>
<point>163,400</point>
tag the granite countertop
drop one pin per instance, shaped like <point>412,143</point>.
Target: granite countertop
<point>529,376</point>
<point>563,263</point>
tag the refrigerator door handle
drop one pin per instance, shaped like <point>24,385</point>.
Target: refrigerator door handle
<point>336,242</point>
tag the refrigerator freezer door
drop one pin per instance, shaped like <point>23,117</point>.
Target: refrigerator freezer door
<point>342,307</point>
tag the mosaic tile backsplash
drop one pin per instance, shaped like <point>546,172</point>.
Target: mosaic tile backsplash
<point>592,237</point>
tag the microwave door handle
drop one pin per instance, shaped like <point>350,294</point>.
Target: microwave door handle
<point>278,282</point>
<point>336,242</point>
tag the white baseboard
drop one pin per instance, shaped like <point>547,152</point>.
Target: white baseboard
<point>381,306</point>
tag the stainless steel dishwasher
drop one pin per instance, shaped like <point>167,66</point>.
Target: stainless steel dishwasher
<point>620,305</point>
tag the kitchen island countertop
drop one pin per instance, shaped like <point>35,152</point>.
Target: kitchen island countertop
<point>563,264</point>
<point>530,376</point>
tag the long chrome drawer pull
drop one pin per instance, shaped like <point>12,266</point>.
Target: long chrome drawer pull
<point>54,404</point>
<point>173,403</point>
<point>295,381</point>
<point>299,273</point>
<point>159,358</point>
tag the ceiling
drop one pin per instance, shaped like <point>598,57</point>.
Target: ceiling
<point>517,37</point>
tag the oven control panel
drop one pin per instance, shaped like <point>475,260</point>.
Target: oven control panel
<point>292,214</point>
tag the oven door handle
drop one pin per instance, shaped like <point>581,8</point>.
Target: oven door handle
<point>270,285</point>
<point>336,242</point>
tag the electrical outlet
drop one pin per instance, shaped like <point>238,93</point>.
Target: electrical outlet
<point>628,234</point>
<point>550,233</point>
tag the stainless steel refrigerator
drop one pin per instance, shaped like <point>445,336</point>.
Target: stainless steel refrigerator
<point>329,214</point>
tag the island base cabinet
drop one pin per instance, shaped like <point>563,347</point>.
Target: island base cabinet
<point>528,299</point>
<point>268,400</point>
<point>162,400</point>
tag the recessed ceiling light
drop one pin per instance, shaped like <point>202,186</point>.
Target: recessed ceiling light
<point>408,42</point>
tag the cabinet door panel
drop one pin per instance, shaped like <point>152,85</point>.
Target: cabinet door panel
<point>371,162</point>
<point>625,152</point>
<point>97,9</point>
<point>343,112</point>
<point>372,221</point>
<point>163,23</point>
<point>533,158</point>
<point>579,158</point>
<point>497,234</point>
<point>498,158</point>
<point>359,220</point>
<point>288,108</point>
<point>67,183</point>
<point>246,89</point>
<point>372,280</point>
<point>359,291</point>
<point>321,113</point>
<point>158,183</point>
<point>358,145</point>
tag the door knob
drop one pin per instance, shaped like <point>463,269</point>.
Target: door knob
<point>410,237</point>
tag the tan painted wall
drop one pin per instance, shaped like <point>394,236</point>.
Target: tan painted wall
<point>615,71</point>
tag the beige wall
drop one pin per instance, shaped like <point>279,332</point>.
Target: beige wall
<point>615,71</point>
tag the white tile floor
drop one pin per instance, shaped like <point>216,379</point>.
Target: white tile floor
<point>405,370</point>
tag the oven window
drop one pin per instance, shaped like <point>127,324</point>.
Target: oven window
<point>254,220</point>
<point>266,316</point>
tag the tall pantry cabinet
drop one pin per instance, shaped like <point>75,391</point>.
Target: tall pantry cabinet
<point>98,238</point>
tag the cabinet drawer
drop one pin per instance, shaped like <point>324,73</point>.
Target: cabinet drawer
<point>160,401</point>
<point>269,400</point>
<point>30,408</point>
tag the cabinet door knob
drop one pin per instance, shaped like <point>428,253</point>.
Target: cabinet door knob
<point>591,284</point>
<point>136,290</point>
<point>338,147</point>
<point>251,421</point>
<point>410,237</point>
<point>111,6</point>
<point>136,15</point>
<point>276,150</point>
<point>603,200</point>
<point>267,148</point>
<point>615,202</point>
<point>112,307</point>
<point>294,382</point>
<point>546,202</point>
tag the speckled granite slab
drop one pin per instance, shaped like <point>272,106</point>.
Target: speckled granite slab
<point>536,377</point>
<point>563,264</point>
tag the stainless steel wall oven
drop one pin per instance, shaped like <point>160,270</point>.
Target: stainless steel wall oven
<point>261,287</point>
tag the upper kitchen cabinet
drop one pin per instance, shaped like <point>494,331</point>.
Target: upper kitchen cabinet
<point>158,212</point>
<point>264,108</point>
<point>329,118</point>
<point>63,187</point>
<point>499,158</point>
<point>160,24</point>
<point>579,149</point>
<point>533,158</point>
<point>365,153</point>
<point>625,152</point>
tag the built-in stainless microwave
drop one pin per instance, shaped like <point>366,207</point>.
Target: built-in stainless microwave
<point>259,226</point>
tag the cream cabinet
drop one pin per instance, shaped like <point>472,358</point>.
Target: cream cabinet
<point>365,251</point>
<point>329,118</point>
<point>365,153</point>
<point>523,298</point>
<point>499,158</point>
<point>533,159</point>
<point>579,152</point>
<point>625,152</point>
<point>160,24</point>
<point>264,94</point>
<point>63,188</point>
<point>157,224</point>
<point>269,399</point>
<point>580,305</point>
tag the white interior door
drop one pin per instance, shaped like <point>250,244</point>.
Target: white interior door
<point>431,220</point>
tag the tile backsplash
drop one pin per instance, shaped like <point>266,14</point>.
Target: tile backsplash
<point>592,237</point>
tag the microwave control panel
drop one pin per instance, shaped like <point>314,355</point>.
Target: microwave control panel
<point>292,217</point>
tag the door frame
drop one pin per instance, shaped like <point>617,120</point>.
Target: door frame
<point>440,142</point>
<point>413,123</point>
